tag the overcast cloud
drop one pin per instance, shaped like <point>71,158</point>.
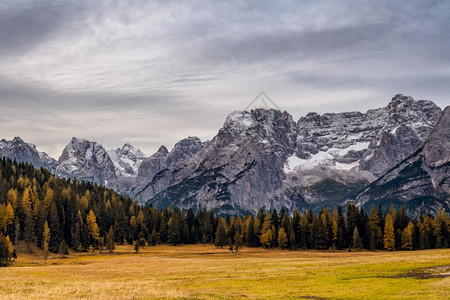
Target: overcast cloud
<point>154,72</point>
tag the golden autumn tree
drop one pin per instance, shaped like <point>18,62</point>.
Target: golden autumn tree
<point>94,232</point>
<point>45,241</point>
<point>389,233</point>
<point>282,239</point>
<point>28,231</point>
<point>407,237</point>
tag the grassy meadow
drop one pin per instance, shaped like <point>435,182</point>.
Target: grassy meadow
<point>203,271</point>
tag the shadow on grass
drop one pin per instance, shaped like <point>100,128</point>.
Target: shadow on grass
<point>426,273</point>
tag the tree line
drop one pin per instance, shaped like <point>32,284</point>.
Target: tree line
<point>39,210</point>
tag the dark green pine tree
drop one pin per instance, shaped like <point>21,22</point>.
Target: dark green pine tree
<point>351,221</point>
<point>190,223</point>
<point>251,238</point>
<point>163,233</point>
<point>55,228</point>
<point>221,233</point>
<point>76,233</point>
<point>375,233</point>
<point>110,240</point>
<point>174,231</point>
<point>356,239</point>
<point>121,225</point>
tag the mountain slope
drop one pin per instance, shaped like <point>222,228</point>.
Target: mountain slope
<point>420,181</point>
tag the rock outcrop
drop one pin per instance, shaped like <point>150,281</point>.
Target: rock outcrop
<point>86,160</point>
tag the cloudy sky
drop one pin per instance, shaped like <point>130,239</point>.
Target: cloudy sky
<point>154,72</point>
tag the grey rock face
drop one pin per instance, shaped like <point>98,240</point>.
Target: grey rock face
<point>25,152</point>
<point>407,125</point>
<point>239,170</point>
<point>437,155</point>
<point>153,167</point>
<point>421,181</point>
<point>165,160</point>
<point>87,161</point>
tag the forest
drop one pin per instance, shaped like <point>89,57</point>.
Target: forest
<point>38,209</point>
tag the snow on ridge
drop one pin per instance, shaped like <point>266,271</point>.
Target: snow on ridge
<point>328,157</point>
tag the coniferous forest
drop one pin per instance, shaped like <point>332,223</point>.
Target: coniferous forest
<point>37,209</point>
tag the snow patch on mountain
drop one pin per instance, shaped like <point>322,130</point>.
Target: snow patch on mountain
<point>328,158</point>
<point>295,163</point>
<point>126,160</point>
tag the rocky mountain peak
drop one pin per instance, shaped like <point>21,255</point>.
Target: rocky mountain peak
<point>399,99</point>
<point>164,160</point>
<point>240,121</point>
<point>126,160</point>
<point>25,152</point>
<point>132,152</point>
<point>162,151</point>
<point>260,126</point>
<point>86,160</point>
<point>18,140</point>
<point>188,144</point>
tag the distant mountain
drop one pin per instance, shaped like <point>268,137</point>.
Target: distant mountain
<point>263,158</point>
<point>82,159</point>
<point>25,152</point>
<point>87,161</point>
<point>421,182</point>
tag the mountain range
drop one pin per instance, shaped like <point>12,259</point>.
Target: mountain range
<point>398,154</point>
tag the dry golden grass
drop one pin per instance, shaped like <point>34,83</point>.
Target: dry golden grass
<point>202,271</point>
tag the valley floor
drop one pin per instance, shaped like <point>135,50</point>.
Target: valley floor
<point>203,271</point>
